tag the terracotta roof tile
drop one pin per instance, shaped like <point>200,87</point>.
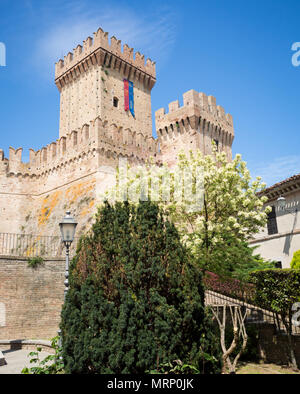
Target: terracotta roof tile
<point>278,185</point>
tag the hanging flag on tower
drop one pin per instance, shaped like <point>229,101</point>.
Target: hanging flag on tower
<point>131,99</point>
<point>128,96</point>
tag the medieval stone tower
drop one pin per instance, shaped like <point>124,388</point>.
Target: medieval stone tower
<point>105,114</point>
<point>91,85</point>
<point>193,126</point>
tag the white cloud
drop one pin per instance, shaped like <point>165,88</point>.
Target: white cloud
<point>277,170</point>
<point>153,35</point>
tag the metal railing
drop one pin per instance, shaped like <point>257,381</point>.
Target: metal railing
<point>255,314</point>
<point>27,245</point>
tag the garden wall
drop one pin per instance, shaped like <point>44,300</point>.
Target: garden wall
<point>31,301</point>
<point>30,298</point>
<point>273,346</point>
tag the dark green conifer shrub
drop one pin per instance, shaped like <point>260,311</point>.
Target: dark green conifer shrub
<point>136,300</point>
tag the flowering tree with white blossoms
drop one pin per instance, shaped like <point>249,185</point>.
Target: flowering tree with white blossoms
<point>232,212</point>
<point>213,202</point>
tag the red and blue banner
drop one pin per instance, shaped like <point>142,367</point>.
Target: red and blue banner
<point>128,96</point>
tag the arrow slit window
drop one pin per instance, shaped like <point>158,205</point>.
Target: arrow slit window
<point>115,102</point>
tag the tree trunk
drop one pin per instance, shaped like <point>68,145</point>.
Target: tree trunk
<point>238,330</point>
<point>288,327</point>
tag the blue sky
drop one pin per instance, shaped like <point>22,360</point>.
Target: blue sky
<point>236,50</point>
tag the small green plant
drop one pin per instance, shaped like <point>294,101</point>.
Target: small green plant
<point>45,367</point>
<point>34,262</point>
<point>174,367</point>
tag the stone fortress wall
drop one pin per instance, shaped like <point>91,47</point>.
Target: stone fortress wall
<point>95,131</point>
<point>64,174</point>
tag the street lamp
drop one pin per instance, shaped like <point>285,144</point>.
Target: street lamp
<point>281,203</point>
<point>67,229</point>
<point>282,206</point>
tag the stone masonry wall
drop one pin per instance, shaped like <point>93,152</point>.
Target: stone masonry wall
<point>273,347</point>
<point>30,298</point>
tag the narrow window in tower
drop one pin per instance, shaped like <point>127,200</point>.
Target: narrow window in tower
<point>272,222</point>
<point>116,102</point>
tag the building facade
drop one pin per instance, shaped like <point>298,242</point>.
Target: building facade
<point>281,237</point>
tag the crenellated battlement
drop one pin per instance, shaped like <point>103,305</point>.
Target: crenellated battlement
<point>98,50</point>
<point>3,163</point>
<point>98,136</point>
<point>196,107</point>
<point>195,125</point>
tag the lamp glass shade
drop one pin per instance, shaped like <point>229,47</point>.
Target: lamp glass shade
<point>68,228</point>
<point>281,203</point>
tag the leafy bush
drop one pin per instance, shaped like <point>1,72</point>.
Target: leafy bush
<point>136,301</point>
<point>277,290</point>
<point>295,263</point>
<point>230,287</point>
<point>235,259</point>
